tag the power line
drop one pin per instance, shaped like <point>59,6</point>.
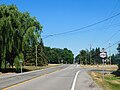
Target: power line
<point>111,37</point>
<point>113,44</point>
<point>83,27</point>
<point>113,11</point>
<point>105,27</point>
<point>116,7</point>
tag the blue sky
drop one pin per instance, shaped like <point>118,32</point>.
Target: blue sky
<point>58,16</point>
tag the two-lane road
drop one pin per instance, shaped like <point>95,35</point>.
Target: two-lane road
<point>6,81</point>
<point>59,80</point>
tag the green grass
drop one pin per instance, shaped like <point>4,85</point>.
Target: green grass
<point>113,82</point>
<point>110,82</point>
<point>113,86</point>
<point>110,78</point>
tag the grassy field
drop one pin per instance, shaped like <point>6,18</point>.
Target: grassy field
<point>107,67</point>
<point>27,68</point>
<point>31,68</point>
<point>110,81</point>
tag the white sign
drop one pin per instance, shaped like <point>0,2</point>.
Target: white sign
<point>103,55</point>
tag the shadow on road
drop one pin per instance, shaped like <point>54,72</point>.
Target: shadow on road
<point>12,70</point>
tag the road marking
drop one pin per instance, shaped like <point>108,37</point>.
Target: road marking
<point>15,85</point>
<point>75,78</point>
<point>78,65</point>
<point>22,82</point>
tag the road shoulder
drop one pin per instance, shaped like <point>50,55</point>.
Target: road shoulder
<point>85,82</point>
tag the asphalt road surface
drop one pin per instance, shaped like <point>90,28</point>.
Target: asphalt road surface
<point>70,77</point>
<point>8,80</point>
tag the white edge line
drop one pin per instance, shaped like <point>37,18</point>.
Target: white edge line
<point>75,78</point>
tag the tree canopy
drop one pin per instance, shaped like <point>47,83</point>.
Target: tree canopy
<point>56,55</point>
<point>18,32</point>
<point>89,57</point>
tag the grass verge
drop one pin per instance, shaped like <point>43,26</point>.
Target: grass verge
<point>31,68</point>
<point>110,82</point>
<point>100,67</point>
<point>27,68</point>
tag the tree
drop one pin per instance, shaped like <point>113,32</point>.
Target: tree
<point>97,57</point>
<point>114,59</point>
<point>83,57</point>
<point>118,56</point>
<point>30,57</point>
<point>18,32</point>
<point>118,48</point>
<point>42,60</point>
<point>77,59</point>
<point>89,57</point>
<point>57,55</point>
<point>68,56</point>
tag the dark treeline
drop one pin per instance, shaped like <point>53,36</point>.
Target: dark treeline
<point>115,58</point>
<point>93,57</point>
<point>56,55</point>
<point>30,56</point>
<point>89,57</point>
<point>49,55</point>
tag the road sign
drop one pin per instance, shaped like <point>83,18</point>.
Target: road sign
<point>103,55</point>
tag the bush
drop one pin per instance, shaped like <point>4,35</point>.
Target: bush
<point>17,61</point>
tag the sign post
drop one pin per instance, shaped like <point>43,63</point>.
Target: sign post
<point>103,68</point>
<point>21,64</point>
<point>103,55</point>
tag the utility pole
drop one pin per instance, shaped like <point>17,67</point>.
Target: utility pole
<point>37,52</point>
<point>109,54</point>
<point>103,69</point>
<point>87,53</point>
<point>36,55</point>
<point>90,53</point>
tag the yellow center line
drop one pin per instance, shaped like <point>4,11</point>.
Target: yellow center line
<point>15,85</point>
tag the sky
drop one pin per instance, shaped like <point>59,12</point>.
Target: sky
<point>58,16</point>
